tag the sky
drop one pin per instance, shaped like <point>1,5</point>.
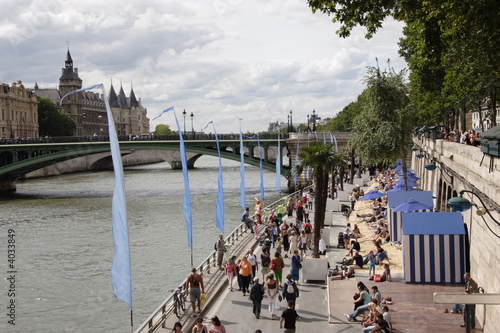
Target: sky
<point>218,59</point>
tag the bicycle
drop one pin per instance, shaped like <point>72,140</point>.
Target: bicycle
<point>179,301</point>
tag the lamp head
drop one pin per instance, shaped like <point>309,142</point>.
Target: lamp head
<point>459,204</point>
<point>430,166</point>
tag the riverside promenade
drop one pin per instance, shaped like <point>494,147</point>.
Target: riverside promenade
<point>321,306</point>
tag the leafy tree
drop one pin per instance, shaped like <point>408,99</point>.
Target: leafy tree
<point>451,47</point>
<point>383,130</point>
<point>53,121</point>
<point>321,159</point>
<point>163,129</point>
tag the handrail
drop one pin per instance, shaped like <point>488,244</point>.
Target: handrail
<point>158,317</point>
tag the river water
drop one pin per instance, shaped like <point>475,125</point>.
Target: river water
<point>64,246</point>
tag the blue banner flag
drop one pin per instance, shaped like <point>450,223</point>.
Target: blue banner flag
<point>219,204</point>
<point>186,202</point>
<point>164,111</point>
<point>120,270</point>
<point>242,169</point>
<point>278,163</point>
<point>332,138</point>
<point>296,160</point>
<point>261,171</point>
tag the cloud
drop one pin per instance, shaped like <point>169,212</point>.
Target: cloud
<point>217,58</point>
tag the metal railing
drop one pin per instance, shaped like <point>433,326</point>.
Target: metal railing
<point>158,317</point>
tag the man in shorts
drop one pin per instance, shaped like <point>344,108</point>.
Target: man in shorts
<point>195,287</point>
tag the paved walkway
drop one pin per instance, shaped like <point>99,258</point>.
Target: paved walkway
<point>322,306</point>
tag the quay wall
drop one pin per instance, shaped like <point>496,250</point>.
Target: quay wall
<point>464,167</point>
<point>103,161</point>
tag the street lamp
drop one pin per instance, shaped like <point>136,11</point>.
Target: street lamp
<point>288,123</point>
<point>184,115</point>
<point>314,120</point>
<point>291,122</point>
<point>192,128</point>
<point>461,204</point>
<point>308,129</point>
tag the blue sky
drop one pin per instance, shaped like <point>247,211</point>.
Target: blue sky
<point>216,58</point>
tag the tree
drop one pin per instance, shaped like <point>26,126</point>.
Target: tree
<point>321,159</point>
<point>383,131</point>
<point>53,121</point>
<point>163,129</point>
<point>451,47</point>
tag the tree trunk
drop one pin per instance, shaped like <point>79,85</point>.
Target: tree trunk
<point>319,209</point>
<point>351,179</point>
<point>493,99</point>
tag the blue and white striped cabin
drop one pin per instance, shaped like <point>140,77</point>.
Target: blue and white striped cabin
<point>433,247</point>
<point>395,199</point>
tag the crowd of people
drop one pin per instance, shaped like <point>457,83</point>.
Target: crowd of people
<point>287,234</point>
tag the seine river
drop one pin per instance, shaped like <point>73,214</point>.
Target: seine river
<point>64,245</point>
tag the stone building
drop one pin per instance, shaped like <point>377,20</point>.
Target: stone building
<point>88,109</point>
<point>19,107</point>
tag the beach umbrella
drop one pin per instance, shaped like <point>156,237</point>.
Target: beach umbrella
<point>410,205</point>
<point>401,182</point>
<point>371,195</point>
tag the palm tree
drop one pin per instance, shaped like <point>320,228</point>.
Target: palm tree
<point>321,159</point>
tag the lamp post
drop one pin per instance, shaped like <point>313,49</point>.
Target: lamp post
<point>192,128</point>
<point>308,129</point>
<point>288,123</point>
<point>291,122</point>
<point>184,115</point>
<point>314,120</point>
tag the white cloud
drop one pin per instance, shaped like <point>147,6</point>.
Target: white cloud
<point>257,59</point>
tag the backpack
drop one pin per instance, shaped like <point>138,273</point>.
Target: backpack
<point>307,229</point>
<point>272,266</point>
<point>215,246</point>
<point>290,289</point>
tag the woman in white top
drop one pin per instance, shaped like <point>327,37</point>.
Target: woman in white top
<point>293,242</point>
<point>252,258</point>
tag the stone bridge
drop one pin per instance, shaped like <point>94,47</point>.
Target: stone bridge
<point>38,159</point>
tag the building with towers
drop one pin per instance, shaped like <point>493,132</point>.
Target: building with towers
<point>88,109</point>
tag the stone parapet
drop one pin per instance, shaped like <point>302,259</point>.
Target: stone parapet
<point>464,167</point>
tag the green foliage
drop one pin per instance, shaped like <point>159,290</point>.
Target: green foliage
<point>384,128</point>
<point>451,47</point>
<point>321,159</point>
<point>163,129</point>
<point>53,121</point>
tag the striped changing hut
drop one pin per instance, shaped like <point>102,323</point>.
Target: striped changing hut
<point>433,247</point>
<point>395,199</point>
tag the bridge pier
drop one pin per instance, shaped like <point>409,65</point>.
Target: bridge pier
<point>7,186</point>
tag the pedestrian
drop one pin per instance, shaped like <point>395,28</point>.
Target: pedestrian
<point>289,317</point>
<point>177,327</point>
<point>265,262</point>
<point>195,287</point>
<point>275,232</point>
<point>293,242</point>
<point>256,296</point>
<point>279,215</point>
<point>231,271</point>
<point>217,326</point>
<point>295,266</point>
<point>255,230</point>
<point>252,258</point>
<point>303,243</point>
<point>199,327</point>
<point>290,290</point>
<point>471,287</point>
<point>245,274</point>
<point>221,249</point>
<point>278,264</point>
<point>245,217</point>
<point>272,295</point>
